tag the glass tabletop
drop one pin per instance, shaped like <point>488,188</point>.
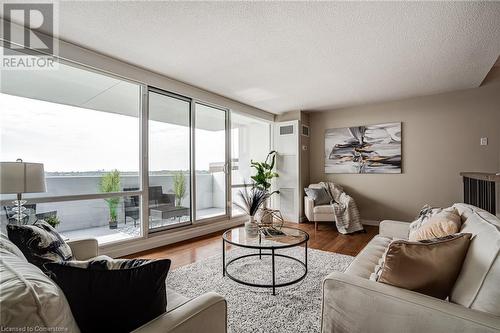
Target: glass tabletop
<point>291,237</point>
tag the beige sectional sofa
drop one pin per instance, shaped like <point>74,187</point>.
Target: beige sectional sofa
<point>29,299</point>
<point>353,303</point>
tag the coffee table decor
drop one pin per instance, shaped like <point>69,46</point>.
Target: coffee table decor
<point>268,242</point>
<point>250,202</point>
<point>271,217</point>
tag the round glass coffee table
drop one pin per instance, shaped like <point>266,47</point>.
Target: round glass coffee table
<point>266,245</point>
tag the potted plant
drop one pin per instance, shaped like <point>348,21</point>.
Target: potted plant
<point>110,182</point>
<point>179,187</point>
<point>251,200</point>
<point>265,173</point>
<point>263,177</point>
<point>52,220</point>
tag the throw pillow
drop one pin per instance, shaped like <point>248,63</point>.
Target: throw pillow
<point>39,242</point>
<point>319,195</point>
<point>6,243</point>
<point>29,300</point>
<point>446,222</point>
<point>107,295</point>
<point>423,216</point>
<point>430,267</point>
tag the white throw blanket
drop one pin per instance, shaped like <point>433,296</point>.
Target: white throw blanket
<point>344,208</point>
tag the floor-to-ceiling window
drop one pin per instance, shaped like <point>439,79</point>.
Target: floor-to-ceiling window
<point>250,140</point>
<point>107,143</point>
<point>169,160</point>
<point>84,127</point>
<point>210,161</point>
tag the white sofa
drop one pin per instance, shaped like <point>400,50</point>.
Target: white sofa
<point>29,299</point>
<point>353,303</point>
<point>319,213</point>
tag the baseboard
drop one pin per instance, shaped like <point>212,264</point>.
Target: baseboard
<point>370,222</point>
<point>173,236</point>
<point>363,221</point>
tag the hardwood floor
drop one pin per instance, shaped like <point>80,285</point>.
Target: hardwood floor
<point>326,238</point>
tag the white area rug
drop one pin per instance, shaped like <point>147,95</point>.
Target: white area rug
<point>295,308</point>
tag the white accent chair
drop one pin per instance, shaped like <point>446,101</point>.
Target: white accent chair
<point>354,304</point>
<point>321,213</point>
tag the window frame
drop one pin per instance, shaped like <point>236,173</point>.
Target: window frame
<point>145,208</point>
<point>143,192</point>
<point>227,134</point>
<point>243,185</point>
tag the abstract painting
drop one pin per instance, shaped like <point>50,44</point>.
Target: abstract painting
<point>363,149</point>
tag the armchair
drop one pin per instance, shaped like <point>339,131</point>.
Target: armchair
<point>320,213</point>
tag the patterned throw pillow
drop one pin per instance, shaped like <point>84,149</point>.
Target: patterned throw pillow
<point>446,222</point>
<point>105,263</point>
<point>39,242</point>
<point>319,195</point>
<point>423,216</point>
<point>112,295</point>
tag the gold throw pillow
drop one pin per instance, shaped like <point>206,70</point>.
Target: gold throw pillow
<point>447,222</point>
<point>430,267</point>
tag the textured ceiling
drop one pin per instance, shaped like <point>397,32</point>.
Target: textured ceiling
<point>281,56</point>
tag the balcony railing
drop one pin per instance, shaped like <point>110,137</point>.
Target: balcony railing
<point>90,218</point>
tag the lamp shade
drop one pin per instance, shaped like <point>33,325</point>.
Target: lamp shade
<point>21,177</point>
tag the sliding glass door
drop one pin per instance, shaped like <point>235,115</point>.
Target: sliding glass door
<point>134,159</point>
<point>211,158</point>
<point>250,141</point>
<point>169,195</point>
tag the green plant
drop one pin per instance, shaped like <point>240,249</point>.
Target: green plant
<point>110,182</point>
<point>265,173</point>
<point>52,220</point>
<point>252,200</point>
<point>179,187</point>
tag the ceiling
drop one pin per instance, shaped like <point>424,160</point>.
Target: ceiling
<point>73,86</point>
<point>283,56</point>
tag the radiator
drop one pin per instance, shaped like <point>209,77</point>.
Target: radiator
<point>481,191</point>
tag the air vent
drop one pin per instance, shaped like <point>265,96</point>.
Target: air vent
<point>285,130</point>
<point>305,130</point>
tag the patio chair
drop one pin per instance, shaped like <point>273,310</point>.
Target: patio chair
<point>131,205</point>
<point>157,199</point>
<point>41,216</point>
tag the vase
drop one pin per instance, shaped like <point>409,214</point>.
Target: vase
<point>251,227</point>
<point>113,224</point>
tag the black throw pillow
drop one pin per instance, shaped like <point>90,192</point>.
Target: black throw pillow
<point>107,295</point>
<point>39,242</point>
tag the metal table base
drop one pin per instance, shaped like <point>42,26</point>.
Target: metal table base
<point>273,255</point>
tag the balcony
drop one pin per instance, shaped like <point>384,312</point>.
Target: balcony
<point>89,218</point>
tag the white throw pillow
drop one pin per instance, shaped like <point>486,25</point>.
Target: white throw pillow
<point>29,298</point>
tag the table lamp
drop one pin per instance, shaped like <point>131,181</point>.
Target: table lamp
<point>21,177</point>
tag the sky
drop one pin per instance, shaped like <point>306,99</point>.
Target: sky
<point>67,138</point>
